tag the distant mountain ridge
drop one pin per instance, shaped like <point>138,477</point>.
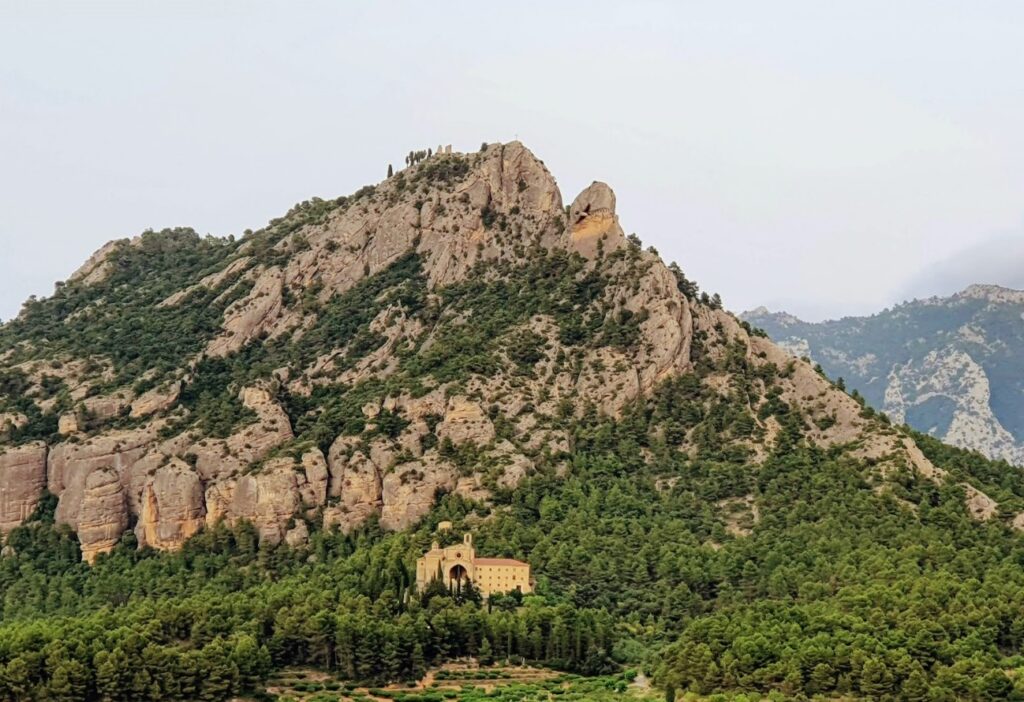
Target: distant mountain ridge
<point>949,366</point>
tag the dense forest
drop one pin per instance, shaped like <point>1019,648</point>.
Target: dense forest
<point>836,590</point>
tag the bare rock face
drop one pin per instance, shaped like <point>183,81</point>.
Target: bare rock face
<point>220,458</point>
<point>105,407</point>
<point>409,490</point>
<point>298,535</point>
<point>102,516</point>
<point>268,499</point>
<point>252,315</point>
<point>173,507</point>
<point>91,410</point>
<point>593,225</point>
<point>96,507</point>
<point>156,400</point>
<point>69,463</point>
<point>218,498</point>
<point>10,421</point>
<point>464,421</point>
<point>68,424</point>
<point>97,267</point>
<point>356,479</point>
<point>22,479</point>
<point>668,329</point>
<point>317,474</point>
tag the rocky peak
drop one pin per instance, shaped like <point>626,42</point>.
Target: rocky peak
<point>993,293</point>
<point>434,333</point>
<point>593,225</point>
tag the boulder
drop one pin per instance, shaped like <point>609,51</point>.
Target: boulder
<point>298,535</point>
<point>68,424</point>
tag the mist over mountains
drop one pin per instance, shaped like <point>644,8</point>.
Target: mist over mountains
<point>951,366</point>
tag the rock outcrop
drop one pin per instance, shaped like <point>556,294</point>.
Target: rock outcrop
<point>22,480</point>
<point>156,400</point>
<point>101,517</point>
<point>322,387</point>
<point>173,507</point>
<point>947,366</point>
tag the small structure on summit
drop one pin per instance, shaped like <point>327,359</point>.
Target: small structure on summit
<point>455,565</point>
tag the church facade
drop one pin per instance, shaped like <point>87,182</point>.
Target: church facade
<point>457,564</point>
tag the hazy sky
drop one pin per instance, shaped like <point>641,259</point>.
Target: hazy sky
<point>826,158</point>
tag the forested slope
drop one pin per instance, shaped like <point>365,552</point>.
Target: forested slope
<point>947,366</point>
<point>250,442</point>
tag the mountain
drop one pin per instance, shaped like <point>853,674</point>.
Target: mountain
<point>250,441</point>
<point>950,367</point>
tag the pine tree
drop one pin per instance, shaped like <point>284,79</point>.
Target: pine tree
<point>391,171</point>
<point>69,682</point>
<point>822,678</point>
<point>875,678</point>
<point>485,655</point>
<point>418,664</point>
<point>915,687</point>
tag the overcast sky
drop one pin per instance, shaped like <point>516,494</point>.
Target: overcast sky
<point>803,156</point>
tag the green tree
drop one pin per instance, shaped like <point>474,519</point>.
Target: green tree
<point>485,654</point>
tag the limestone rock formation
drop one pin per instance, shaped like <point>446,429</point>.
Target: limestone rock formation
<point>173,507</point>
<point>357,481</point>
<point>948,366</point>
<point>435,333</point>
<point>156,400</point>
<point>22,479</point>
<point>102,516</point>
<point>408,491</point>
<point>98,266</point>
<point>268,499</point>
<point>465,421</point>
<point>594,226</point>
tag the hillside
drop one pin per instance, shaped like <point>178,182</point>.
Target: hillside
<point>250,440</point>
<point>950,367</point>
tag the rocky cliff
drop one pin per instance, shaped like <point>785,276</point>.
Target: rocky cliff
<point>950,367</point>
<point>434,333</point>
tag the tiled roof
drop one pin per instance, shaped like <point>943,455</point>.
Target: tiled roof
<point>498,561</point>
